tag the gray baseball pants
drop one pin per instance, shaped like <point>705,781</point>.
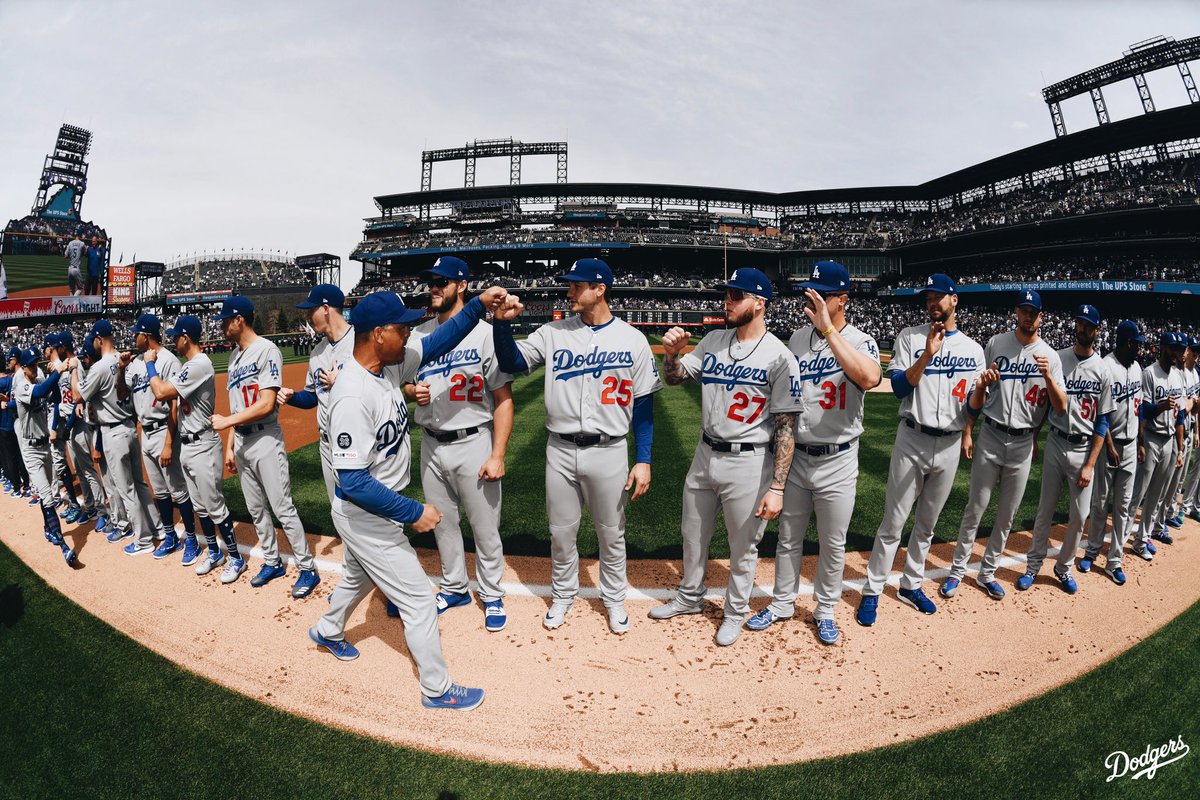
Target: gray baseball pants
<point>1153,479</point>
<point>124,457</point>
<point>164,481</point>
<point>40,466</point>
<point>998,457</point>
<point>90,489</point>
<point>825,485</point>
<point>1061,464</point>
<point>1120,479</point>
<point>922,472</point>
<point>377,553</point>
<point>1191,485</point>
<point>203,463</point>
<point>263,466</point>
<point>1170,504</point>
<point>450,478</point>
<point>596,476</point>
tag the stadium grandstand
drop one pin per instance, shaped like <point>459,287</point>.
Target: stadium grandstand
<point>1108,215</point>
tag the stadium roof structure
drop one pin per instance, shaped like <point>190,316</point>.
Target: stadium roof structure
<point>1154,130</point>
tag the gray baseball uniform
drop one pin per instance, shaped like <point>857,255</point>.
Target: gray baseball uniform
<point>1126,390</point>
<point>593,377</point>
<point>824,473</point>
<point>457,441</point>
<point>1191,481</point>
<point>742,386</point>
<point>201,454</point>
<point>155,416</point>
<point>33,435</point>
<point>1089,396</point>
<point>926,452</point>
<point>1160,445</point>
<point>122,453</point>
<point>57,415</point>
<point>1191,388</point>
<point>1015,406</point>
<point>261,457</point>
<point>327,358</point>
<point>81,441</point>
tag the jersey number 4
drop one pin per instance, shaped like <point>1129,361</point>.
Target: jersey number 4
<point>619,392</point>
<point>466,390</point>
<point>741,402</point>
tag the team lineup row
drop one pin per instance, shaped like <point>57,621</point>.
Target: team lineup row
<point>779,438</point>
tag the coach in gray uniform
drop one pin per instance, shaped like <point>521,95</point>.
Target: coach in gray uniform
<point>750,397</point>
<point>200,452</point>
<point>1191,484</point>
<point>465,410</point>
<point>1072,449</point>
<point>74,252</point>
<point>1122,454</point>
<point>77,435</point>
<point>255,445</point>
<point>1023,378</point>
<point>1172,510</point>
<point>160,443</point>
<point>933,370</point>
<point>122,453</point>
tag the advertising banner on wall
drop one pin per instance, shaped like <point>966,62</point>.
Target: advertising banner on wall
<point>122,281</point>
<point>68,305</point>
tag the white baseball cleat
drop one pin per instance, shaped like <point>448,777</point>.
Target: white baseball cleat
<point>557,615</point>
<point>618,620</point>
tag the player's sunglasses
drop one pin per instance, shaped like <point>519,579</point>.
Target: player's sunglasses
<point>736,295</point>
<point>439,283</point>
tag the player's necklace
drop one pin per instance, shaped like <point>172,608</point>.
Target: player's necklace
<point>752,349</point>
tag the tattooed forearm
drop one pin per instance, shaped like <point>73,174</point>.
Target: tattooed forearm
<point>785,447</point>
<point>673,373</point>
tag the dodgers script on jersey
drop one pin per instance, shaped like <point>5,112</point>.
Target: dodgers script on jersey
<point>258,367</point>
<point>31,421</point>
<point>938,398</point>
<point>100,387</point>
<point>327,358</point>
<point>461,382</point>
<point>370,424</point>
<point>1020,398</point>
<point>1156,387</point>
<point>593,375</point>
<point>740,392</point>
<point>1125,386</point>
<point>833,404</point>
<point>197,389</point>
<point>1089,392</point>
<point>149,411</point>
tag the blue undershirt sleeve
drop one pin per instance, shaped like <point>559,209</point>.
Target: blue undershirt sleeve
<point>1102,423</point>
<point>303,399</point>
<point>643,427</point>
<point>360,487</point>
<point>45,387</point>
<point>508,355</point>
<point>151,369</point>
<point>448,335</point>
<point>900,385</point>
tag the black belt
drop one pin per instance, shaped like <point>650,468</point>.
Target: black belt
<point>1073,438</point>
<point>824,449</point>
<point>1005,429</point>
<point>149,429</point>
<point>1122,442</point>
<point>452,436</point>
<point>585,439</point>
<point>729,447</point>
<point>246,430</point>
<point>42,442</point>
<point>115,424</point>
<point>188,438</point>
<point>928,431</point>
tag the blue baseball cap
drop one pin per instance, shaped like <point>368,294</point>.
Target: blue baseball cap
<point>940,282</point>
<point>237,305</point>
<point>589,269</point>
<point>1193,342</point>
<point>1028,297</point>
<point>324,294</point>
<point>27,356</point>
<point>89,346</point>
<point>449,267</point>
<point>1168,338</point>
<point>51,340</point>
<point>148,324</point>
<point>749,280</point>
<point>102,327</point>
<point>382,308</point>
<point>13,352</point>
<point>1129,330</point>
<point>828,277</point>
<point>1089,314</point>
<point>65,339</point>
<point>186,325</point>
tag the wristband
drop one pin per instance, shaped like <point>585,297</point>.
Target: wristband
<point>776,491</point>
<point>825,333</point>
<point>151,370</point>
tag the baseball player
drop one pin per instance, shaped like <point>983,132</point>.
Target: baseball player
<point>1173,509</point>
<point>1072,449</point>
<point>76,429</point>
<point>200,447</point>
<point>10,449</point>
<point>1121,454</point>
<point>30,389</point>
<point>1190,506</point>
<point>465,411</point>
<point>160,443</point>
<point>600,382</point>
<point>933,370</point>
<point>74,253</point>
<point>1160,440</point>
<point>59,411</point>
<point>324,308</point>
<point>1023,379</point>
<point>255,448</point>
<point>371,451</point>
<point>750,398</point>
<point>104,387</point>
<point>838,364</point>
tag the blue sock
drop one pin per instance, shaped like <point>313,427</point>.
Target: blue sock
<point>52,526</point>
<point>68,481</point>
<point>231,546</point>
<point>187,517</point>
<point>210,533</point>
<point>166,511</point>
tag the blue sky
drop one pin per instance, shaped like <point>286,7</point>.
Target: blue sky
<point>273,125</point>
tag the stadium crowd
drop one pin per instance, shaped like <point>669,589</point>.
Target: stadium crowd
<point>236,273</point>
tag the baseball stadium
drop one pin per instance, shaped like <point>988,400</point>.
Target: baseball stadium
<point>142,676</point>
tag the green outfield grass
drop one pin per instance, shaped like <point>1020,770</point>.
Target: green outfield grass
<point>652,529</point>
<point>32,272</point>
<point>87,712</point>
<point>220,361</point>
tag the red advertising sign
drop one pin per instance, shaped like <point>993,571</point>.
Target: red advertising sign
<point>24,307</point>
<point>121,283</point>
<point>710,319</point>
